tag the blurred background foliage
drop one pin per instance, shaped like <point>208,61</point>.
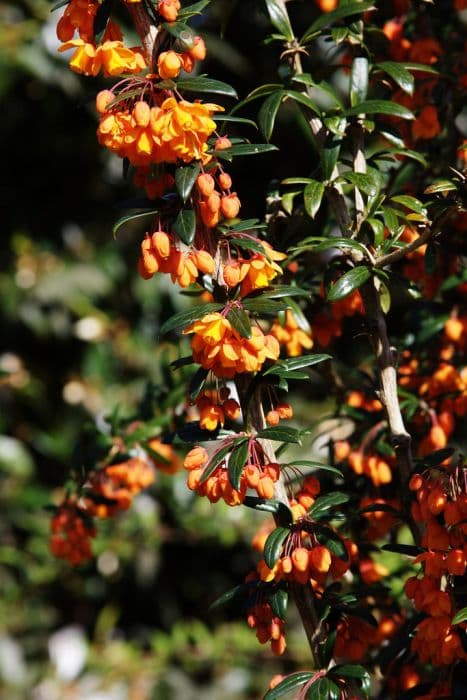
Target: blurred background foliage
<point>78,341</point>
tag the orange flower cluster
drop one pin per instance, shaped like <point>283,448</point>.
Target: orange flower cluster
<point>79,16</point>
<point>159,253</point>
<point>255,272</point>
<point>164,457</point>
<point>217,346</point>
<point>170,63</point>
<point>379,470</point>
<point>256,475</point>
<point>71,534</point>
<point>169,9</point>
<point>269,627</point>
<point>289,334</point>
<point>354,638</point>
<point>214,407</point>
<point>327,324</point>
<point>441,508</point>
<point>213,204</point>
<point>112,57</point>
<point>145,134</point>
<point>379,522</point>
<point>113,488</point>
<point>283,411</point>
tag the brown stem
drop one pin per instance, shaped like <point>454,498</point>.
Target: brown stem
<point>147,31</point>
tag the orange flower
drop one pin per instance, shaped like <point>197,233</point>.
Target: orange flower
<point>111,56</point>
<point>79,15</point>
<point>219,347</point>
<point>291,335</point>
<point>169,64</point>
<point>169,9</point>
<point>426,125</point>
<point>71,534</point>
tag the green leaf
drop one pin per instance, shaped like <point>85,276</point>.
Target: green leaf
<point>410,550</point>
<point>268,112</point>
<point>411,203</point>
<point>229,118</point>
<point>294,363</point>
<point>274,544</point>
<point>460,616</point>
<point>280,510</point>
<point>316,465</point>
<point>323,689</point>
<point>60,3</point>
<point>434,459</point>
<point>259,305</point>
<point>245,149</point>
<point>280,18</point>
<point>185,178</point>
<point>378,230</point>
<point>358,80</point>
<point>312,197</point>
<point>364,181</point>
<point>420,67</point>
<point>185,225</point>
<point>326,19</point>
<point>329,156</point>
<point>228,596</point>
<point>237,461</point>
<point>323,504</point>
<point>303,100</point>
<point>292,682</point>
<point>380,107</point>
<point>180,31</point>
<point>399,74</point>
<point>202,84</point>
<point>260,91</point>
<point>278,602</point>
<point>240,321</point>
<point>217,458</point>
<point>197,383</point>
<point>281,433</point>
<point>183,318</point>
<point>318,244</point>
<point>332,540</point>
<point>195,9</point>
<point>323,86</point>
<point>284,291</point>
<point>297,181</point>
<point>353,671</point>
<point>246,225</point>
<point>351,280</point>
<point>390,219</point>
<point>129,217</point>
<point>247,244</point>
<point>440,185</point>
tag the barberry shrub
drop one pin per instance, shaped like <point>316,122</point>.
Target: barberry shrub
<point>353,274</point>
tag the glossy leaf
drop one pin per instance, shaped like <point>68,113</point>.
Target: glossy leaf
<point>245,149</point>
<point>380,107</point>
<point>195,9</point>
<point>316,465</point>
<point>60,3</point>
<point>237,461</point>
<point>303,100</point>
<point>323,504</point>
<point>259,305</point>
<point>268,112</point>
<point>282,513</point>
<point>185,225</point>
<point>460,616</point>
<point>284,291</point>
<point>349,282</point>
<point>292,682</point>
<point>240,321</point>
<point>364,181</point>
<point>330,156</point>
<point>246,225</point>
<point>183,318</point>
<point>228,596</point>
<point>281,433</point>
<point>230,118</point>
<point>274,544</point>
<point>312,197</point>
<point>411,203</point>
<point>323,689</point>
<point>326,19</point>
<point>399,74</point>
<point>217,459</point>
<point>197,383</point>
<point>129,217</point>
<point>280,18</point>
<point>185,178</point>
<point>278,602</point>
<point>202,84</point>
<point>354,671</point>
<point>294,363</point>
